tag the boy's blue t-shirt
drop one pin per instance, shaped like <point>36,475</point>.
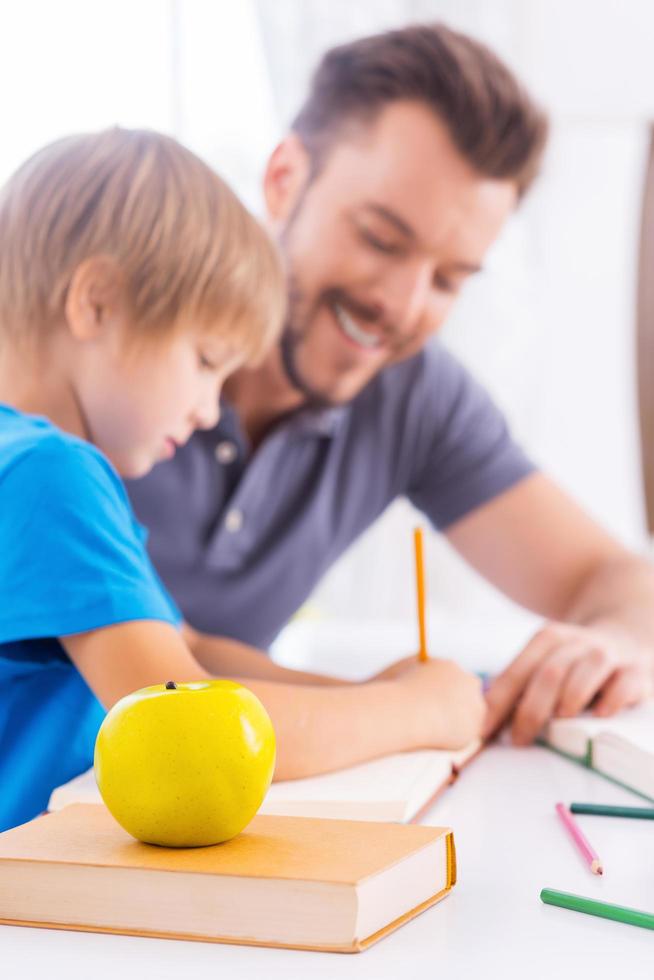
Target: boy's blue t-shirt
<point>72,559</point>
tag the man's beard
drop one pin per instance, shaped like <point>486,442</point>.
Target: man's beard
<point>293,335</point>
<point>291,343</point>
<point>298,323</point>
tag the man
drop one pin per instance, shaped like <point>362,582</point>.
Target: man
<point>410,153</point>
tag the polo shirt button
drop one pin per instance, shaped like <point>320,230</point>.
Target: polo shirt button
<point>234,520</point>
<point>225,452</point>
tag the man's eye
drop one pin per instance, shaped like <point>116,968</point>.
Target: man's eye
<point>205,363</point>
<point>379,244</point>
<point>444,284</point>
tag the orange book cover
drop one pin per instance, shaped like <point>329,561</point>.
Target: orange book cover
<point>298,880</point>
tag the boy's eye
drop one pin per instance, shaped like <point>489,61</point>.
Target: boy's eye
<point>206,363</point>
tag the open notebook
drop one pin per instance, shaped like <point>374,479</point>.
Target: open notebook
<point>396,788</point>
<point>621,747</point>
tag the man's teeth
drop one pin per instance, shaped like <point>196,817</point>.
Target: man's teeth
<point>353,330</point>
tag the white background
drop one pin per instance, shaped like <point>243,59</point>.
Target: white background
<point>509,846</point>
<point>550,326</point>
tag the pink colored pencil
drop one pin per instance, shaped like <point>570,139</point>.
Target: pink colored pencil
<point>589,854</point>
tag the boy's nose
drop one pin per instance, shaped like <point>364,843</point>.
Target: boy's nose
<point>207,415</point>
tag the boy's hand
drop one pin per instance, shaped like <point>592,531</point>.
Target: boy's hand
<point>560,672</point>
<point>396,669</point>
<point>444,702</point>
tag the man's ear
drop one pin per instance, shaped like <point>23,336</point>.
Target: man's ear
<point>95,297</point>
<point>285,179</point>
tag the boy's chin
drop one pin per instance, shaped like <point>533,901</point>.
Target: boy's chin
<point>132,466</point>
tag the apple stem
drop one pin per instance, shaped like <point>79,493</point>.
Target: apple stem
<point>171,686</point>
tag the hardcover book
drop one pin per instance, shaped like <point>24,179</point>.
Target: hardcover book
<point>621,747</point>
<point>332,885</point>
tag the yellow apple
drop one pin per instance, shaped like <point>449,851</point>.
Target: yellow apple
<point>185,765</point>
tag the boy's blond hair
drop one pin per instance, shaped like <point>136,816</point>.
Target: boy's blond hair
<point>187,250</point>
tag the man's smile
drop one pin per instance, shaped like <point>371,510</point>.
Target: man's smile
<point>361,337</point>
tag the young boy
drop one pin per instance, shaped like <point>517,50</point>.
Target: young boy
<point>132,282</point>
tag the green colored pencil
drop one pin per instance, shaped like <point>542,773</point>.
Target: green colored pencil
<point>599,810</point>
<point>577,903</point>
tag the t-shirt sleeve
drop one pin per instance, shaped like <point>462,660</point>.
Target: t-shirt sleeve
<point>465,454</point>
<point>72,557</point>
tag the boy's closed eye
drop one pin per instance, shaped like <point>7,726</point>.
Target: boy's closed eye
<point>207,363</point>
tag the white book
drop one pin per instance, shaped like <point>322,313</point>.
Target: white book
<point>621,747</point>
<point>395,788</point>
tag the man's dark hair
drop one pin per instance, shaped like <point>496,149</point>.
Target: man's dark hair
<point>491,119</point>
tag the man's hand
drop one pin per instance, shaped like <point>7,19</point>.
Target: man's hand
<point>563,670</point>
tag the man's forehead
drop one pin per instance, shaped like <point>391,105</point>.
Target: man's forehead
<point>404,155</point>
<point>392,136</point>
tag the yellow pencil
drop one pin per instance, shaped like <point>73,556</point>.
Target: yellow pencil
<point>420,589</point>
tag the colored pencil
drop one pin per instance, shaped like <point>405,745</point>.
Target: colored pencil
<point>420,590</point>
<point>601,810</point>
<point>584,847</point>
<point>578,903</point>
<point>486,680</point>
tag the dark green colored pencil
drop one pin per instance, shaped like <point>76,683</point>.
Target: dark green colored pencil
<point>578,903</point>
<point>599,810</point>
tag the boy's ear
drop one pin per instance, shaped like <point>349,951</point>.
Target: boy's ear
<point>285,179</point>
<point>95,297</point>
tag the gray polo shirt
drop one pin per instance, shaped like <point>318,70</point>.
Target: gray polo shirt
<point>241,538</point>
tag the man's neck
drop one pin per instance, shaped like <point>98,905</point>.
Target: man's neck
<point>261,396</point>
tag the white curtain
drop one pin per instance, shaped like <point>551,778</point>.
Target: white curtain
<point>193,68</point>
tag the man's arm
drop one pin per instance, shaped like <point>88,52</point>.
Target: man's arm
<point>540,548</point>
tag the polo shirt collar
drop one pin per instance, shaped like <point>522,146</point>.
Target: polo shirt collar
<point>319,421</point>
<point>322,422</point>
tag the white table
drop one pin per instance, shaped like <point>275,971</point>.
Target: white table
<point>510,844</point>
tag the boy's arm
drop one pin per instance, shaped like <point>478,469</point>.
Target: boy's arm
<point>318,727</point>
<point>222,655</point>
